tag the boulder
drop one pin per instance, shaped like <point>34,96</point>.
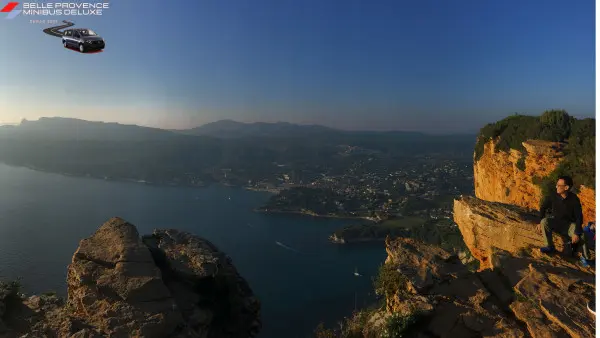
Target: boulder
<point>168,284</point>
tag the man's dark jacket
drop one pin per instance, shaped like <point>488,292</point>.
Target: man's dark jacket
<point>566,209</point>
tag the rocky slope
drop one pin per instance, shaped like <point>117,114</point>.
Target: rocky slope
<point>523,295</point>
<point>168,284</point>
<point>499,177</point>
<point>434,295</point>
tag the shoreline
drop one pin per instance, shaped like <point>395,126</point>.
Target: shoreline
<point>302,213</point>
<point>273,191</point>
<point>345,241</point>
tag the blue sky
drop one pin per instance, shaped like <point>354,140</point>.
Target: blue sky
<point>406,65</point>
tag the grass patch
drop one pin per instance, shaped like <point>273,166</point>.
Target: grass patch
<point>355,326</point>
<point>352,327</point>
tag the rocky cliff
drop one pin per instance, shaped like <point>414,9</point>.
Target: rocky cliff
<point>430,293</point>
<point>524,295</point>
<point>168,284</point>
<point>517,291</point>
<point>545,295</point>
<point>508,176</point>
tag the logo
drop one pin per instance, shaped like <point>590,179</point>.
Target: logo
<point>55,8</point>
<point>10,9</point>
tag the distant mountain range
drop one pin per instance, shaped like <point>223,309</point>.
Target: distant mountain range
<point>70,128</point>
<point>249,150</point>
<point>58,128</point>
<point>233,129</point>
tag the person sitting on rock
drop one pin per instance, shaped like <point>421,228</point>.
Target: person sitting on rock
<point>566,218</point>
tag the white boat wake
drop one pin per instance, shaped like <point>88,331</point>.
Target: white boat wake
<point>286,247</point>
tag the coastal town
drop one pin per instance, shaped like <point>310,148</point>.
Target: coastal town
<point>422,187</point>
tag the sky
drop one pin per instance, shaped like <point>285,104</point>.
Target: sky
<point>434,66</point>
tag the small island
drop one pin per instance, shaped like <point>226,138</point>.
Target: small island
<point>442,232</point>
<point>376,232</point>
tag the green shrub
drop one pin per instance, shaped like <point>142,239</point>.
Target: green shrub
<point>511,131</point>
<point>322,332</point>
<point>521,163</point>
<point>389,281</point>
<point>579,161</point>
<point>12,292</point>
<point>49,294</point>
<point>397,325</point>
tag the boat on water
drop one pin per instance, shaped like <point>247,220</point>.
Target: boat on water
<point>356,272</point>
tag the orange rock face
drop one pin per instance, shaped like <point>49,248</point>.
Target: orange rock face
<point>498,178</point>
<point>587,197</point>
<point>486,226</point>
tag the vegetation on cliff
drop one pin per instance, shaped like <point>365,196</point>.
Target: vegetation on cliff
<point>390,281</point>
<point>579,135</point>
<point>373,321</point>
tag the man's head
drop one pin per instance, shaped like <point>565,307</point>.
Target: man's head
<point>563,184</point>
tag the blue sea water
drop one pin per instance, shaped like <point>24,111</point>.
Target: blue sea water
<point>299,276</point>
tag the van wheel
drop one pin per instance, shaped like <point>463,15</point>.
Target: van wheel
<point>65,43</point>
<point>81,48</point>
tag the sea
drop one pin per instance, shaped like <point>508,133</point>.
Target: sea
<point>300,277</point>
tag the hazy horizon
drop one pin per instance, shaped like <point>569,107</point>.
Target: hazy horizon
<point>222,120</point>
<point>430,66</point>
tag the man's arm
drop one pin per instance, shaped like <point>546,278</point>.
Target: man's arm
<point>546,204</point>
<point>578,217</point>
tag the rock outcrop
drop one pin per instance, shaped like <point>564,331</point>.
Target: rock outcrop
<point>168,284</point>
<point>487,226</point>
<point>587,196</point>
<point>499,177</point>
<point>523,295</point>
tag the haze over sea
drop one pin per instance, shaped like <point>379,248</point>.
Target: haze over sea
<point>43,216</point>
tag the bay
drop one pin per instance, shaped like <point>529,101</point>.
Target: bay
<point>299,276</point>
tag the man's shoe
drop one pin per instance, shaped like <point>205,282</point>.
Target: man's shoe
<point>571,249</point>
<point>591,306</point>
<point>547,250</point>
<point>584,262</point>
